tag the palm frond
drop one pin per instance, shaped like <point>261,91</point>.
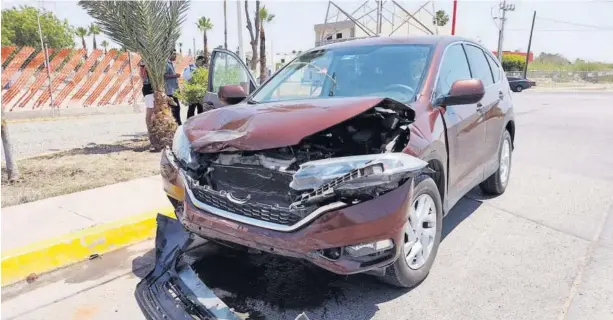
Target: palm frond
<point>150,28</point>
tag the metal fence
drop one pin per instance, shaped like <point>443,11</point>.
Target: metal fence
<point>78,78</point>
<point>567,77</point>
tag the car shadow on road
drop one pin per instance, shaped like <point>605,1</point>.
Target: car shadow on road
<point>265,286</point>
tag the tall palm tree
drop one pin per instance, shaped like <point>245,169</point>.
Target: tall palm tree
<point>105,45</point>
<point>225,24</point>
<point>265,17</point>
<point>82,32</point>
<point>441,18</point>
<point>204,24</point>
<point>150,28</point>
<point>94,30</point>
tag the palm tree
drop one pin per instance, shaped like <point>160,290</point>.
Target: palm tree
<point>82,32</point>
<point>181,48</point>
<point>265,17</point>
<point>204,24</point>
<point>225,24</point>
<point>150,28</point>
<point>441,18</point>
<point>94,30</point>
<point>105,45</point>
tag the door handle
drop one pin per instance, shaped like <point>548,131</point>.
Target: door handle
<point>501,95</point>
<point>479,107</point>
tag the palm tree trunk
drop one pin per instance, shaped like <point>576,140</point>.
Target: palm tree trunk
<point>84,43</point>
<point>225,25</point>
<point>163,125</point>
<point>206,49</point>
<point>11,166</point>
<point>95,44</point>
<point>263,71</point>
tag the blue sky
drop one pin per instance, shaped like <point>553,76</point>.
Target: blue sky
<point>292,29</point>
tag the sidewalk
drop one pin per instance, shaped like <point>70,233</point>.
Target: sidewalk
<point>57,231</point>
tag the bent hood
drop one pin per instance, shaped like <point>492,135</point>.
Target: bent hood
<point>272,125</point>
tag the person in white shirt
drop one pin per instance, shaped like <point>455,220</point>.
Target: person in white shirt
<point>187,75</point>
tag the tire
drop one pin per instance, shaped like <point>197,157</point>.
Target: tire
<point>496,184</point>
<point>519,89</point>
<point>399,274</point>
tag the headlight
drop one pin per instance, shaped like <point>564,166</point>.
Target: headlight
<point>182,148</point>
<point>356,171</point>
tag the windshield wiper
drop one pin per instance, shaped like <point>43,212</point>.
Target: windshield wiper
<point>251,101</point>
<point>333,87</point>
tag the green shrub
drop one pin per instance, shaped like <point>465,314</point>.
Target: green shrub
<point>193,91</point>
<point>513,62</point>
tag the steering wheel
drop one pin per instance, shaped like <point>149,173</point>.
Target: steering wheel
<point>404,89</point>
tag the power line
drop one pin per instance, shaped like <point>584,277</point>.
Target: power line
<point>562,30</point>
<point>577,24</point>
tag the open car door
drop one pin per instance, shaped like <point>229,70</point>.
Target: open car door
<point>227,69</point>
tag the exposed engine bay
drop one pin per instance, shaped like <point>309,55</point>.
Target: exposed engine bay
<point>353,161</point>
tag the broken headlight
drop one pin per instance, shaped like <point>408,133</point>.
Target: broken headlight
<point>182,149</point>
<point>355,172</point>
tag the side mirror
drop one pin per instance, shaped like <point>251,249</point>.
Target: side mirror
<point>463,92</point>
<point>232,94</point>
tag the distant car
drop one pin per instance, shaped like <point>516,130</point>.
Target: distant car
<point>519,84</point>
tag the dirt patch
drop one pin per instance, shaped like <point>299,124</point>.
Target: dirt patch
<point>279,282</point>
<point>80,169</point>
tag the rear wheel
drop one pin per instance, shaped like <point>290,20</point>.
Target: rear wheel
<point>496,184</point>
<point>421,238</point>
<point>519,89</point>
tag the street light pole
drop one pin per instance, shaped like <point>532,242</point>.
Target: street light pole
<point>239,19</point>
<point>504,7</point>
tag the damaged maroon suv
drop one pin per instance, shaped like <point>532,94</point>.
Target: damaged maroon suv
<point>349,156</point>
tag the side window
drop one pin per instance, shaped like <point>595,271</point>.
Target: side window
<point>453,68</point>
<point>494,66</point>
<point>228,71</point>
<point>478,65</point>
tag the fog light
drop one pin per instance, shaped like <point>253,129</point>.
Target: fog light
<point>365,249</point>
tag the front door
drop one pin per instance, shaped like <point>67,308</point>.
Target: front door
<point>465,127</point>
<point>226,68</point>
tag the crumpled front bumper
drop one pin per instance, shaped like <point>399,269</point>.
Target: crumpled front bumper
<point>173,291</point>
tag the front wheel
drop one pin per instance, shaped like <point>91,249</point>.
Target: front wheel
<point>519,89</point>
<point>497,183</point>
<point>421,238</point>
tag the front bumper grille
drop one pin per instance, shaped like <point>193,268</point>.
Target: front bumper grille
<point>258,211</point>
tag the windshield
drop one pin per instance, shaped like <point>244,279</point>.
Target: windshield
<point>393,71</point>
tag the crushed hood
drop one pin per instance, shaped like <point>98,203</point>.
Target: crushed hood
<point>251,127</point>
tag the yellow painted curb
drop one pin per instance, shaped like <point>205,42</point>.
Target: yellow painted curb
<point>58,252</point>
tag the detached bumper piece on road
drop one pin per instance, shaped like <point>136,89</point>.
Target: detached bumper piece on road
<point>173,291</point>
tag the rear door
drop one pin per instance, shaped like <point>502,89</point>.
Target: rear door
<point>226,68</point>
<point>465,127</point>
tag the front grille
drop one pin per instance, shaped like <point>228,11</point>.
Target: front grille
<point>263,212</point>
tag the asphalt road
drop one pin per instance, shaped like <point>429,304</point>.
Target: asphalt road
<point>543,250</point>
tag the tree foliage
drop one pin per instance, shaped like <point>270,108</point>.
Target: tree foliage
<point>20,28</point>
<point>441,18</point>
<point>513,62</point>
<point>193,90</point>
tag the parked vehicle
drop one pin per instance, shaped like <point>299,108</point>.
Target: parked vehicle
<point>519,84</point>
<point>353,173</point>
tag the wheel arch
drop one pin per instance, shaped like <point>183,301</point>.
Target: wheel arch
<point>510,126</point>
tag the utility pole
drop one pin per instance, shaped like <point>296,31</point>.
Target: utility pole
<point>529,45</point>
<point>504,7</point>
<point>194,46</point>
<point>453,19</point>
<point>239,19</point>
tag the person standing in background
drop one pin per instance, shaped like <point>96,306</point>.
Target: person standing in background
<point>147,91</point>
<point>171,78</point>
<point>187,75</point>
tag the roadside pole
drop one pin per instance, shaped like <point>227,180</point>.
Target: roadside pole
<point>504,7</point>
<point>529,45</point>
<point>453,18</point>
<point>239,19</point>
<point>44,48</point>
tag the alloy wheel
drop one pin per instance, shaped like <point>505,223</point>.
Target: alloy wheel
<point>505,161</point>
<point>420,231</point>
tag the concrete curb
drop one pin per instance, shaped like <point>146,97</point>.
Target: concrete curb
<point>44,256</point>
